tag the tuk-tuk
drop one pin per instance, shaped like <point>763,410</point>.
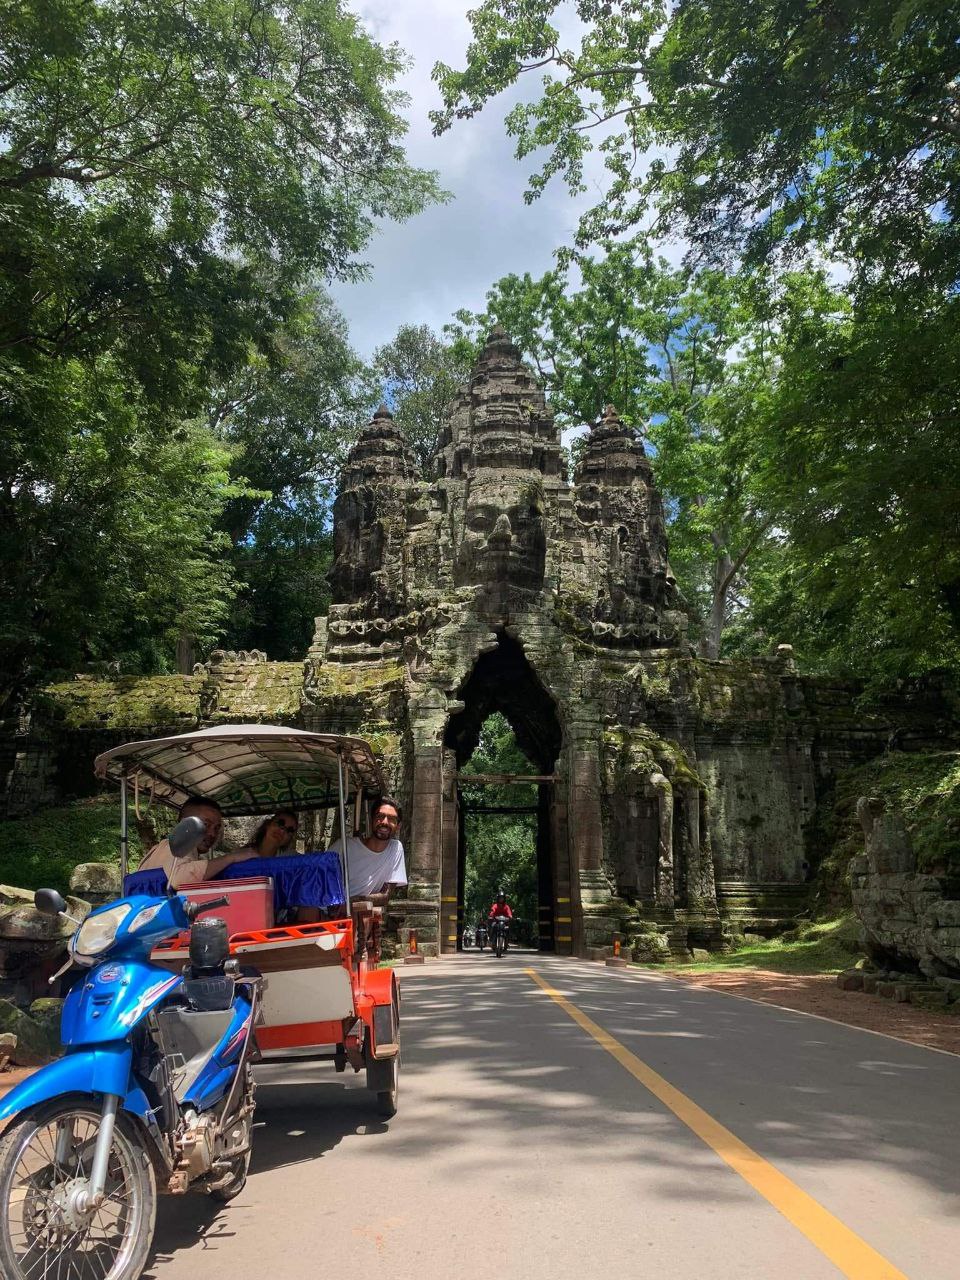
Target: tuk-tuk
<point>324,996</point>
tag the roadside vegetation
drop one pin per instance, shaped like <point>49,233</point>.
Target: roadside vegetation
<point>41,851</point>
<point>501,848</point>
<point>819,946</point>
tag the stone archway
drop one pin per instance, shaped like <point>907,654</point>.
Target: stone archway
<point>503,680</point>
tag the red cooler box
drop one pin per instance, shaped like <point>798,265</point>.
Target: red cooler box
<point>251,901</point>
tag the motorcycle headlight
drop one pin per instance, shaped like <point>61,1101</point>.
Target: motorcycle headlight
<point>97,932</point>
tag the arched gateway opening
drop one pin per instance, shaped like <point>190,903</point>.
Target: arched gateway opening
<point>503,681</point>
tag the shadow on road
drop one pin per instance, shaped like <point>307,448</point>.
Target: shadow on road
<point>296,1121</point>
<point>799,1091</point>
<point>493,1065</point>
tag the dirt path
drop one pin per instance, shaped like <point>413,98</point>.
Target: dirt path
<point>10,1078</point>
<point>819,994</point>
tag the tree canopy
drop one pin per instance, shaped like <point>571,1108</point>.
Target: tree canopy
<point>807,160</point>
<point>419,373</point>
<point>834,124</point>
<point>172,177</point>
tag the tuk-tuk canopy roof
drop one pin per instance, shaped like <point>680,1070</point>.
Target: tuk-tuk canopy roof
<point>246,768</point>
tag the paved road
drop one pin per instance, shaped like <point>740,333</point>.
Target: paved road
<point>524,1148</point>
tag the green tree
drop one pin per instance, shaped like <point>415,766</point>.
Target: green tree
<point>288,416</point>
<point>501,849</point>
<point>808,132</point>
<point>419,373</point>
<point>169,174</point>
<point>836,124</point>
<point>856,451</point>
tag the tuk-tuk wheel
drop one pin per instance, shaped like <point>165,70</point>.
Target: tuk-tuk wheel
<point>383,1077</point>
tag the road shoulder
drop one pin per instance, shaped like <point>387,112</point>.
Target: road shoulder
<point>818,994</point>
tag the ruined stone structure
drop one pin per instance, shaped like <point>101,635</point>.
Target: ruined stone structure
<point>674,793</point>
<point>671,787</point>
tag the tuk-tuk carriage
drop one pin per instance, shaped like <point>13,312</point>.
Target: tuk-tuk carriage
<point>324,996</point>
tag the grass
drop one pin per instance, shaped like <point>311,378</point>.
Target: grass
<point>41,851</point>
<point>821,946</point>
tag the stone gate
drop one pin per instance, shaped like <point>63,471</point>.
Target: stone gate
<point>502,584</point>
<point>674,793</point>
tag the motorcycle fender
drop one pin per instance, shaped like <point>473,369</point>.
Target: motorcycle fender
<point>105,1069</point>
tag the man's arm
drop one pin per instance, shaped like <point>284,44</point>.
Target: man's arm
<point>378,899</point>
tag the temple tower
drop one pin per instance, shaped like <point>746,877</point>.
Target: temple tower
<point>501,586</point>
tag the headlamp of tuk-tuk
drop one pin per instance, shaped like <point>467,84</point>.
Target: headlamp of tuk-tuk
<point>97,933</point>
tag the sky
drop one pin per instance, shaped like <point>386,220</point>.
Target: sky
<point>424,270</point>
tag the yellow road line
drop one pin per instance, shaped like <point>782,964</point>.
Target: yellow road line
<point>853,1256</point>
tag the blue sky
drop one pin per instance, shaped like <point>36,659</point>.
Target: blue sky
<point>447,258</point>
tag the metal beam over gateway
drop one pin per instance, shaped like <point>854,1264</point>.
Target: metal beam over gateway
<point>505,779</point>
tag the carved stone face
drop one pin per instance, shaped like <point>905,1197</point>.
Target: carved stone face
<point>503,542</point>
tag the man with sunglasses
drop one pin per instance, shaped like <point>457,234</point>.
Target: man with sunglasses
<point>376,863</point>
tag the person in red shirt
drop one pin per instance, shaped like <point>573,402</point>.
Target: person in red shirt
<point>500,908</point>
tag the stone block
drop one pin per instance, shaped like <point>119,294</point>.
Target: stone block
<point>871,982</point>
<point>902,993</point>
<point>850,980</point>
<point>887,990</point>
<point>929,999</point>
<point>46,1014</point>
<point>96,882</point>
<point>700,955</point>
<point>951,986</point>
<point>651,948</point>
<point>34,1045</point>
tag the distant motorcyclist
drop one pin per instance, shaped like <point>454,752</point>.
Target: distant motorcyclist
<point>500,907</point>
<point>500,917</point>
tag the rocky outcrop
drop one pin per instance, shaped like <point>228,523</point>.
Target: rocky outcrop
<point>906,883</point>
<point>35,1034</point>
<point>96,882</point>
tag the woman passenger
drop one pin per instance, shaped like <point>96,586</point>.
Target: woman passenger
<point>273,837</point>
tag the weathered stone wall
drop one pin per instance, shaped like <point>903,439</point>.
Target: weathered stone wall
<point>906,883</point>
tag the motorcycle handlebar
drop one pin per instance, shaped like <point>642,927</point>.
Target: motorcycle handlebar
<point>193,909</point>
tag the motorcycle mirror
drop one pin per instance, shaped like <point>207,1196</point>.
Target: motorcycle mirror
<point>49,902</point>
<point>185,836</point>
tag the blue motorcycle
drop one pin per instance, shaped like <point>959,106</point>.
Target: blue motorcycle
<point>155,1090</point>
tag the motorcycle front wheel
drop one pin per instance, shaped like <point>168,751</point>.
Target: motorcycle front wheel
<point>46,1159</point>
<point>499,945</point>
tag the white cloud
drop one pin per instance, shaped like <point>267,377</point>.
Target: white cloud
<point>424,269</point>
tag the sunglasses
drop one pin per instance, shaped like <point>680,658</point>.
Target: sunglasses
<point>285,826</point>
<point>391,818</point>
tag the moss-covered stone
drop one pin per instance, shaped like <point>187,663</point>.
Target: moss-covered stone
<point>130,702</point>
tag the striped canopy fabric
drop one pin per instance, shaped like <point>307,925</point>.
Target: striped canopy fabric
<point>246,768</point>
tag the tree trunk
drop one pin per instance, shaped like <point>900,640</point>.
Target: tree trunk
<point>185,654</point>
<point>713,631</point>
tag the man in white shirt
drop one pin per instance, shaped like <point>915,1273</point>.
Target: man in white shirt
<point>375,862</point>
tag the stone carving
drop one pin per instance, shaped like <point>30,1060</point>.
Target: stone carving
<point>910,916</point>
<point>498,585</point>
